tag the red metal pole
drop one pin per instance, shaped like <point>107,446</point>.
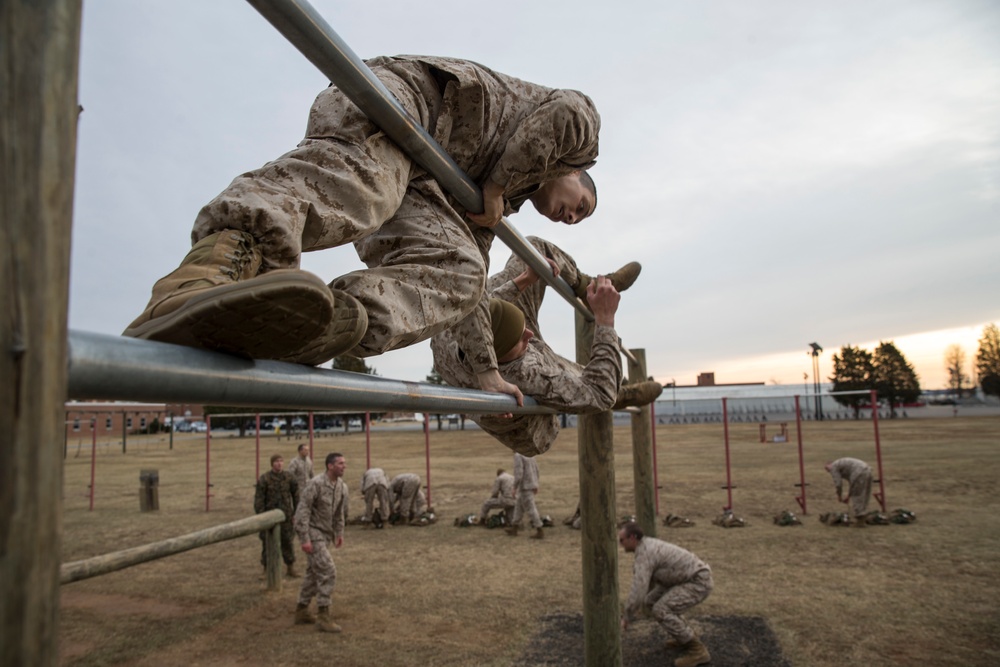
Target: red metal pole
<point>208,460</point>
<point>427,456</point>
<point>93,458</point>
<point>729,481</point>
<point>880,496</point>
<point>802,467</point>
<point>257,469</point>
<point>656,484</point>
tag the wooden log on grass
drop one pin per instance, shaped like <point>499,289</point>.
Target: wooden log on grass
<point>98,565</point>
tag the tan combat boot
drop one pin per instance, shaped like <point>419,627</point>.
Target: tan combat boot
<point>694,653</point>
<point>538,534</point>
<point>217,300</point>
<point>637,394</point>
<point>303,616</point>
<point>346,329</point>
<point>621,279</point>
<point>291,571</point>
<point>324,623</point>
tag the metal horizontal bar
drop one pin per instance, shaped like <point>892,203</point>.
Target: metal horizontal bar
<point>114,367</point>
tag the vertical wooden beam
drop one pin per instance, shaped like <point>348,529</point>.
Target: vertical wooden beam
<point>272,549</point>
<point>601,607</point>
<point>38,87</point>
<point>642,452</point>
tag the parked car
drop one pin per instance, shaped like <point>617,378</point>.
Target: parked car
<point>199,427</point>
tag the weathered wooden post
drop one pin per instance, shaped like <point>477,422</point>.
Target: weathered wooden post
<point>595,441</point>
<point>642,452</point>
<point>272,548</point>
<point>38,79</point>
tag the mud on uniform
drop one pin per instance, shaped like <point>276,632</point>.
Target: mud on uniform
<point>277,491</point>
<point>545,376</point>
<point>320,519</point>
<point>348,182</point>
<point>667,580</point>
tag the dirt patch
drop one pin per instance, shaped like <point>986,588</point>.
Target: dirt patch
<point>121,605</point>
<point>735,641</point>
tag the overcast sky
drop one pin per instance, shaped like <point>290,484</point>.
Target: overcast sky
<point>786,172</point>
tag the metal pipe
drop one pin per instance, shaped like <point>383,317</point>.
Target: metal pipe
<point>107,367</point>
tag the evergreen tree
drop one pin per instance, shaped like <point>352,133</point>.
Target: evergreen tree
<point>988,360</point>
<point>894,377</point>
<point>852,371</point>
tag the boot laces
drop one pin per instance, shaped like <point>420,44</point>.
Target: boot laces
<point>239,259</point>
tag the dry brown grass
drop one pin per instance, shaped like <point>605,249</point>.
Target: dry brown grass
<point>441,595</point>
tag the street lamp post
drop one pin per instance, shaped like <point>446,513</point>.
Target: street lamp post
<point>816,351</point>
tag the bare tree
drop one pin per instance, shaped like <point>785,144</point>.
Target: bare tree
<point>954,363</point>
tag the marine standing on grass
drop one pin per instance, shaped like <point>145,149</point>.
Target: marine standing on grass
<point>525,488</point>
<point>526,361</point>
<point>501,497</point>
<point>859,485</point>
<point>405,497</point>
<point>277,489</point>
<point>240,288</point>
<point>375,485</point>
<point>301,467</point>
<point>666,580</point>
<point>319,521</point>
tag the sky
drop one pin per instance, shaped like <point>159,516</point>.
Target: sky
<point>785,172</point>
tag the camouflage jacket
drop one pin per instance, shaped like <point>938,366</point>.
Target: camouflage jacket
<point>302,469</point>
<point>849,469</point>
<point>276,491</point>
<point>659,563</point>
<point>497,128</point>
<point>323,510</point>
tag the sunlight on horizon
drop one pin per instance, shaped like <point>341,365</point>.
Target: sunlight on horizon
<point>924,351</point>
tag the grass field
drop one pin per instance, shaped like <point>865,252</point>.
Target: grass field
<point>917,594</point>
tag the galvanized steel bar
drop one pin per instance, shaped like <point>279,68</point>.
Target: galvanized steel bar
<point>109,367</point>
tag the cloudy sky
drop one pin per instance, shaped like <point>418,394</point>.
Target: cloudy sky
<point>786,172</point>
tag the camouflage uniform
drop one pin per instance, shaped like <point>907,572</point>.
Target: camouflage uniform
<point>859,481</point>
<point>667,580</point>
<point>405,496</point>
<point>348,182</point>
<point>550,379</point>
<point>277,491</point>
<point>374,484</point>
<point>302,469</point>
<point>525,486</point>
<point>320,519</point>
<point>501,497</point>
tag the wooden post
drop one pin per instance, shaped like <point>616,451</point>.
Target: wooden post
<point>601,607</point>
<point>272,547</point>
<point>119,560</point>
<point>642,453</point>
<point>38,116</point>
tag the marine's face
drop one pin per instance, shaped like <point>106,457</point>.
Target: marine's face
<point>278,465</point>
<point>519,348</point>
<point>565,199</point>
<point>338,467</point>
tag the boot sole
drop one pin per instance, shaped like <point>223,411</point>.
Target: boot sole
<point>347,328</point>
<point>268,317</point>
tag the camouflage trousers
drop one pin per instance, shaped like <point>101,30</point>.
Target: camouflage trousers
<point>321,573</point>
<point>502,503</point>
<point>860,493</point>
<point>349,183</point>
<point>526,505</point>
<point>411,502</point>
<point>667,604</point>
<point>382,494</point>
<point>287,543</point>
